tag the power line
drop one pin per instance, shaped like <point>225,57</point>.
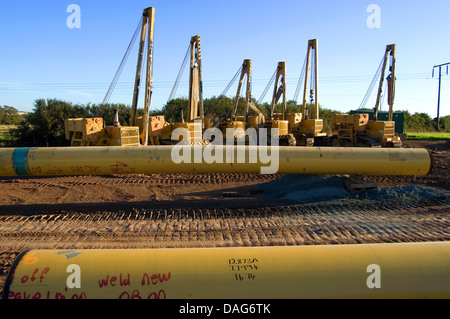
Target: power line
<point>95,88</point>
<point>164,84</point>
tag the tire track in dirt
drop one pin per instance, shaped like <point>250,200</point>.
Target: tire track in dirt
<point>289,225</point>
<point>141,179</point>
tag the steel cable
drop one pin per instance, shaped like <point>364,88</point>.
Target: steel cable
<point>122,64</point>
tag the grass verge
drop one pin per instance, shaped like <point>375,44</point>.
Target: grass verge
<point>434,136</point>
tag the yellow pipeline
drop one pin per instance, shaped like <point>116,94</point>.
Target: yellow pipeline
<point>203,159</point>
<point>400,270</point>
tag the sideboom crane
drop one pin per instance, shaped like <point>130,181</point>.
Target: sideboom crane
<point>195,122</point>
<point>307,129</point>
<point>278,120</point>
<point>358,129</point>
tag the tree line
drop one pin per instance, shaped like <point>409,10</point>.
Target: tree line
<point>10,115</point>
<point>422,122</point>
<point>44,126</point>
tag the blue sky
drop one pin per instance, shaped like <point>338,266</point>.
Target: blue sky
<point>40,57</point>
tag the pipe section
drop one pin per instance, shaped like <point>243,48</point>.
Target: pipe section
<point>388,270</point>
<point>105,160</point>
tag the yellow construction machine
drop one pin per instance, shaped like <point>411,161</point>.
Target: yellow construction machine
<point>155,130</point>
<point>144,129</point>
<point>279,120</point>
<point>307,129</point>
<point>298,128</point>
<point>195,122</point>
<point>150,127</point>
<point>238,123</point>
<point>92,132</point>
<point>359,129</point>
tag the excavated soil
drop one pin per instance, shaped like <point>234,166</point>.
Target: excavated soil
<point>216,210</point>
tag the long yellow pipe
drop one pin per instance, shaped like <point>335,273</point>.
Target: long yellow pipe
<point>161,159</point>
<point>399,270</point>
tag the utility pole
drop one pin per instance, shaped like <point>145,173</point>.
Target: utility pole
<point>439,88</point>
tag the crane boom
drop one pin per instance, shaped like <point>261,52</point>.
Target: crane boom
<point>312,45</point>
<point>147,23</point>
<point>246,69</point>
<point>390,51</point>
<point>196,110</point>
<point>279,90</point>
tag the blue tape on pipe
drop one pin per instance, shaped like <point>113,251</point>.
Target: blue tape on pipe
<point>20,161</point>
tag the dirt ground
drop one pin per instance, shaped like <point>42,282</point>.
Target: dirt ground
<point>209,210</point>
